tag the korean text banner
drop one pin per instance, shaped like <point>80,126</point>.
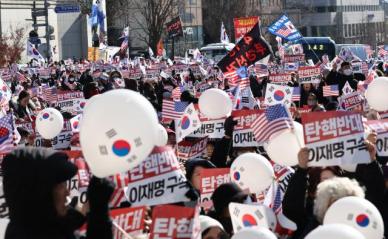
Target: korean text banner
<point>243,25</point>
<point>251,48</point>
<point>175,222</point>
<point>381,128</point>
<point>174,28</point>
<point>211,179</point>
<point>243,135</point>
<point>334,138</point>
<point>156,180</point>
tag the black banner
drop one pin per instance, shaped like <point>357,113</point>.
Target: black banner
<point>251,48</point>
<point>174,28</point>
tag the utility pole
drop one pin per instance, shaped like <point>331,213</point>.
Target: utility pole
<point>47,36</point>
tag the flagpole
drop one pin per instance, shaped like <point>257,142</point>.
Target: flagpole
<point>121,230</point>
<point>293,127</point>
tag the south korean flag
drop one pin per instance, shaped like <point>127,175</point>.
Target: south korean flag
<point>244,216</point>
<point>278,94</point>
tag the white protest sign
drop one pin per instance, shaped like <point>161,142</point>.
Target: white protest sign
<point>381,128</point>
<point>334,138</point>
<point>243,135</point>
<point>157,180</point>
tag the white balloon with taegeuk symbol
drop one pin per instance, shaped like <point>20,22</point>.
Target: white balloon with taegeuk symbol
<point>339,231</point>
<point>49,123</point>
<point>358,213</point>
<point>119,129</point>
<point>252,171</point>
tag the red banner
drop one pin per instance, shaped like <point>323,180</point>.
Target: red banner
<point>192,149</point>
<point>242,25</point>
<point>175,222</point>
<point>210,180</point>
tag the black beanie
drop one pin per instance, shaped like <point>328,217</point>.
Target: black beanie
<point>225,194</point>
<point>192,163</point>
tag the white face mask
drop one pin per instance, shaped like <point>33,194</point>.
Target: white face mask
<point>348,72</point>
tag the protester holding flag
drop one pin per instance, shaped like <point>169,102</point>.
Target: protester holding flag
<point>343,75</point>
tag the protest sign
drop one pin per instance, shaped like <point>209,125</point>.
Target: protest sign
<point>174,27</point>
<point>158,179</point>
<point>175,222</point>
<point>73,106</point>
<point>243,134</point>
<point>242,25</point>
<point>351,101</point>
<point>251,48</point>
<point>334,138</point>
<point>309,74</point>
<point>79,183</point>
<point>61,141</point>
<point>191,149</point>
<point>211,179</point>
<point>212,128</point>
<point>244,215</point>
<point>294,58</point>
<point>280,78</point>
<point>131,220</point>
<point>381,128</point>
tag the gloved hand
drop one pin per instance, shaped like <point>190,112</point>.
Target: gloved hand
<point>229,126</point>
<point>99,193</point>
<point>192,194</point>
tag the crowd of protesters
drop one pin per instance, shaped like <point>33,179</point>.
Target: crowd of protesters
<point>34,179</point>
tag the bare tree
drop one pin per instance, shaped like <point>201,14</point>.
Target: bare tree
<point>151,16</point>
<point>11,46</point>
<point>217,11</point>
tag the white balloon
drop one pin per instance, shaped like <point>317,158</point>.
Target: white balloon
<point>118,130</point>
<point>215,103</point>
<point>3,226</point>
<point>162,136</point>
<point>252,171</point>
<point>283,148</point>
<point>358,213</point>
<point>49,123</point>
<point>335,231</point>
<point>254,233</point>
<point>376,94</point>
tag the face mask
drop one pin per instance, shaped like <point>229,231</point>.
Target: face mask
<point>348,72</point>
<point>71,81</point>
<point>311,102</point>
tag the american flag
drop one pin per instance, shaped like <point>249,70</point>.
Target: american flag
<point>238,77</point>
<point>121,181</point>
<point>6,134</point>
<point>176,93</point>
<point>173,109</point>
<point>274,119</point>
<point>295,94</point>
<point>330,90</point>
<point>382,51</point>
<point>50,94</point>
<point>284,31</point>
<point>277,201</point>
<point>261,70</point>
<point>20,77</point>
<point>364,68</point>
<point>124,45</point>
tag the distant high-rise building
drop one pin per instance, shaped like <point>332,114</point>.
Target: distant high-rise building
<point>345,21</point>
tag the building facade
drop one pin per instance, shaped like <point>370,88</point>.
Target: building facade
<point>345,21</point>
<point>190,12</point>
<point>70,35</point>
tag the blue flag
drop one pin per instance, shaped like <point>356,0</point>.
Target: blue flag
<point>284,28</point>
